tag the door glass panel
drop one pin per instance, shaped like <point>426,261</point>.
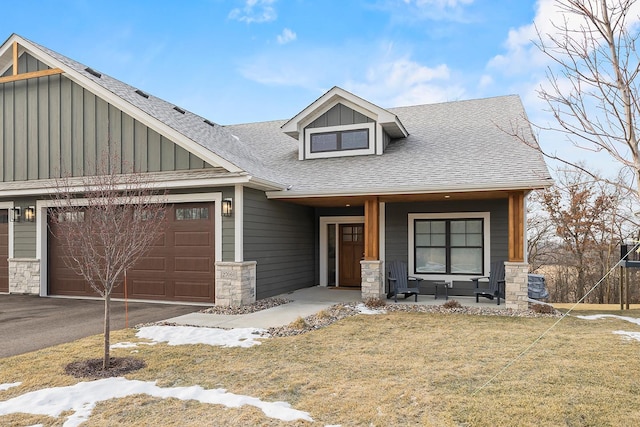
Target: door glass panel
<point>185,214</point>
<point>4,216</point>
<point>331,255</point>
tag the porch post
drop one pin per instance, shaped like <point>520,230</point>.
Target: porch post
<point>516,269</point>
<point>371,268</point>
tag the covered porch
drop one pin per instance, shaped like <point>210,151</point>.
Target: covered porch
<point>386,220</point>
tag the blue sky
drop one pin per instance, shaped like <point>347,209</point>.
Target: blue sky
<point>235,61</point>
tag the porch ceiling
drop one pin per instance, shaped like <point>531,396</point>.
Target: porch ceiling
<point>342,201</point>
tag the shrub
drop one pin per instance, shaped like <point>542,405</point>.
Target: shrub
<point>374,303</point>
<point>323,314</point>
<point>299,324</point>
<point>451,304</point>
<point>542,308</point>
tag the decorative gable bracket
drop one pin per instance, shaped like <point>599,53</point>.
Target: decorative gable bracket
<point>16,75</point>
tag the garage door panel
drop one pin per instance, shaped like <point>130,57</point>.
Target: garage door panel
<point>196,289</point>
<point>142,288</point>
<point>195,264</point>
<point>150,263</point>
<point>179,266</point>
<point>192,238</point>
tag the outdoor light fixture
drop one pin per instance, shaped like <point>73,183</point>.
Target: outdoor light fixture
<point>227,207</point>
<point>16,214</point>
<point>30,214</point>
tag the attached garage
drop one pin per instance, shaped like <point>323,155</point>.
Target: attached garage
<point>180,267</point>
<point>4,250</point>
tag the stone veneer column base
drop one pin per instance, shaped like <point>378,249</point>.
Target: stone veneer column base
<point>24,276</point>
<point>516,285</point>
<point>372,279</point>
<point>235,283</point>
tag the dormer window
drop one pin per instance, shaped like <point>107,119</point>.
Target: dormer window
<point>337,141</point>
<point>340,124</point>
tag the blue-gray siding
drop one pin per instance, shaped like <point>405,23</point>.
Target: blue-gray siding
<point>339,115</point>
<point>397,231</point>
<point>52,127</point>
<point>280,237</point>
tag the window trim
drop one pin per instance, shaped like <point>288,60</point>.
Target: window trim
<point>370,127</point>
<point>485,216</point>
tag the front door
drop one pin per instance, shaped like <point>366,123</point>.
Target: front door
<point>351,253</point>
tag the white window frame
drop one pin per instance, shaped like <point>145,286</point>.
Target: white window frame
<point>340,153</point>
<point>486,216</point>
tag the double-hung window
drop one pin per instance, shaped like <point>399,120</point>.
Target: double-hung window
<point>448,246</point>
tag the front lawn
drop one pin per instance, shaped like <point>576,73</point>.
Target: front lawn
<point>381,370</point>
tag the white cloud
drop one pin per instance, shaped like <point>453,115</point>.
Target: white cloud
<point>255,11</point>
<point>286,36</point>
<point>402,81</point>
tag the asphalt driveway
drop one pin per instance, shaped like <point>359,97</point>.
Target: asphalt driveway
<point>29,323</point>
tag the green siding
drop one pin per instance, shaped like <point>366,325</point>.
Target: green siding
<point>24,233</point>
<point>339,115</point>
<point>52,127</point>
<point>280,237</point>
<point>397,231</point>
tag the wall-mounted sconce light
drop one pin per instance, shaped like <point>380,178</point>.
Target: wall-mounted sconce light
<point>30,214</point>
<point>16,214</point>
<point>227,207</point>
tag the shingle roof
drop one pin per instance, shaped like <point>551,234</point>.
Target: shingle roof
<point>453,146</point>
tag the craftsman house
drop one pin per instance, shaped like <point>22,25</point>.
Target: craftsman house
<point>325,197</point>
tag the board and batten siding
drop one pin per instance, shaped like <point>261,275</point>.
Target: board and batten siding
<point>397,231</point>
<point>280,237</point>
<point>52,127</point>
<point>339,115</point>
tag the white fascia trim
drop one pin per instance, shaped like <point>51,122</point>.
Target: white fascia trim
<point>526,186</point>
<point>449,215</point>
<point>324,243</point>
<point>42,235</point>
<point>144,118</point>
<point>238,220</point>
<point>9,206</point>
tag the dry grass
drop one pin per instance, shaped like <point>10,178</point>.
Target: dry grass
<point>382,370</point>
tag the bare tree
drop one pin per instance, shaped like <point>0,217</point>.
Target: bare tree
<point>105,224</point>
<point>594,96</point>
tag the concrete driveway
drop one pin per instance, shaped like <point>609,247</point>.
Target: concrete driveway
<point>29,323</point>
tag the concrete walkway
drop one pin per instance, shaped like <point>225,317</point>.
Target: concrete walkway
<point>305,302</point>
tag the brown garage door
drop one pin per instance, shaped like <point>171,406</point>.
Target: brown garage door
<point>180,267</point>
<point>4,250</point>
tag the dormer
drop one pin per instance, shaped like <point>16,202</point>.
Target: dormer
<point>340,124</point>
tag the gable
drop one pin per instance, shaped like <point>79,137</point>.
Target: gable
<point>339,115</point>
<point>51,126</point>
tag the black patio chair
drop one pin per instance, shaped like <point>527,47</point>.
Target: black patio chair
<point>494,288</point>
<point>399,281</point>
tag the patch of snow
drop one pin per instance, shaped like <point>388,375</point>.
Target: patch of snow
<point>629,335</point>
<point>363,309</point>
<point>127,344</point>
<point>633,320</point>
<point>7,386</point>
<point>180,335</point>
<point>81,398</point>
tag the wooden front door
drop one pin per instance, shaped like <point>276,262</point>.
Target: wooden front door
<point>4,250</point>
<point>351,253</point>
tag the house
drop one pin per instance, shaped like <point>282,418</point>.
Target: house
<point>325,197</point>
